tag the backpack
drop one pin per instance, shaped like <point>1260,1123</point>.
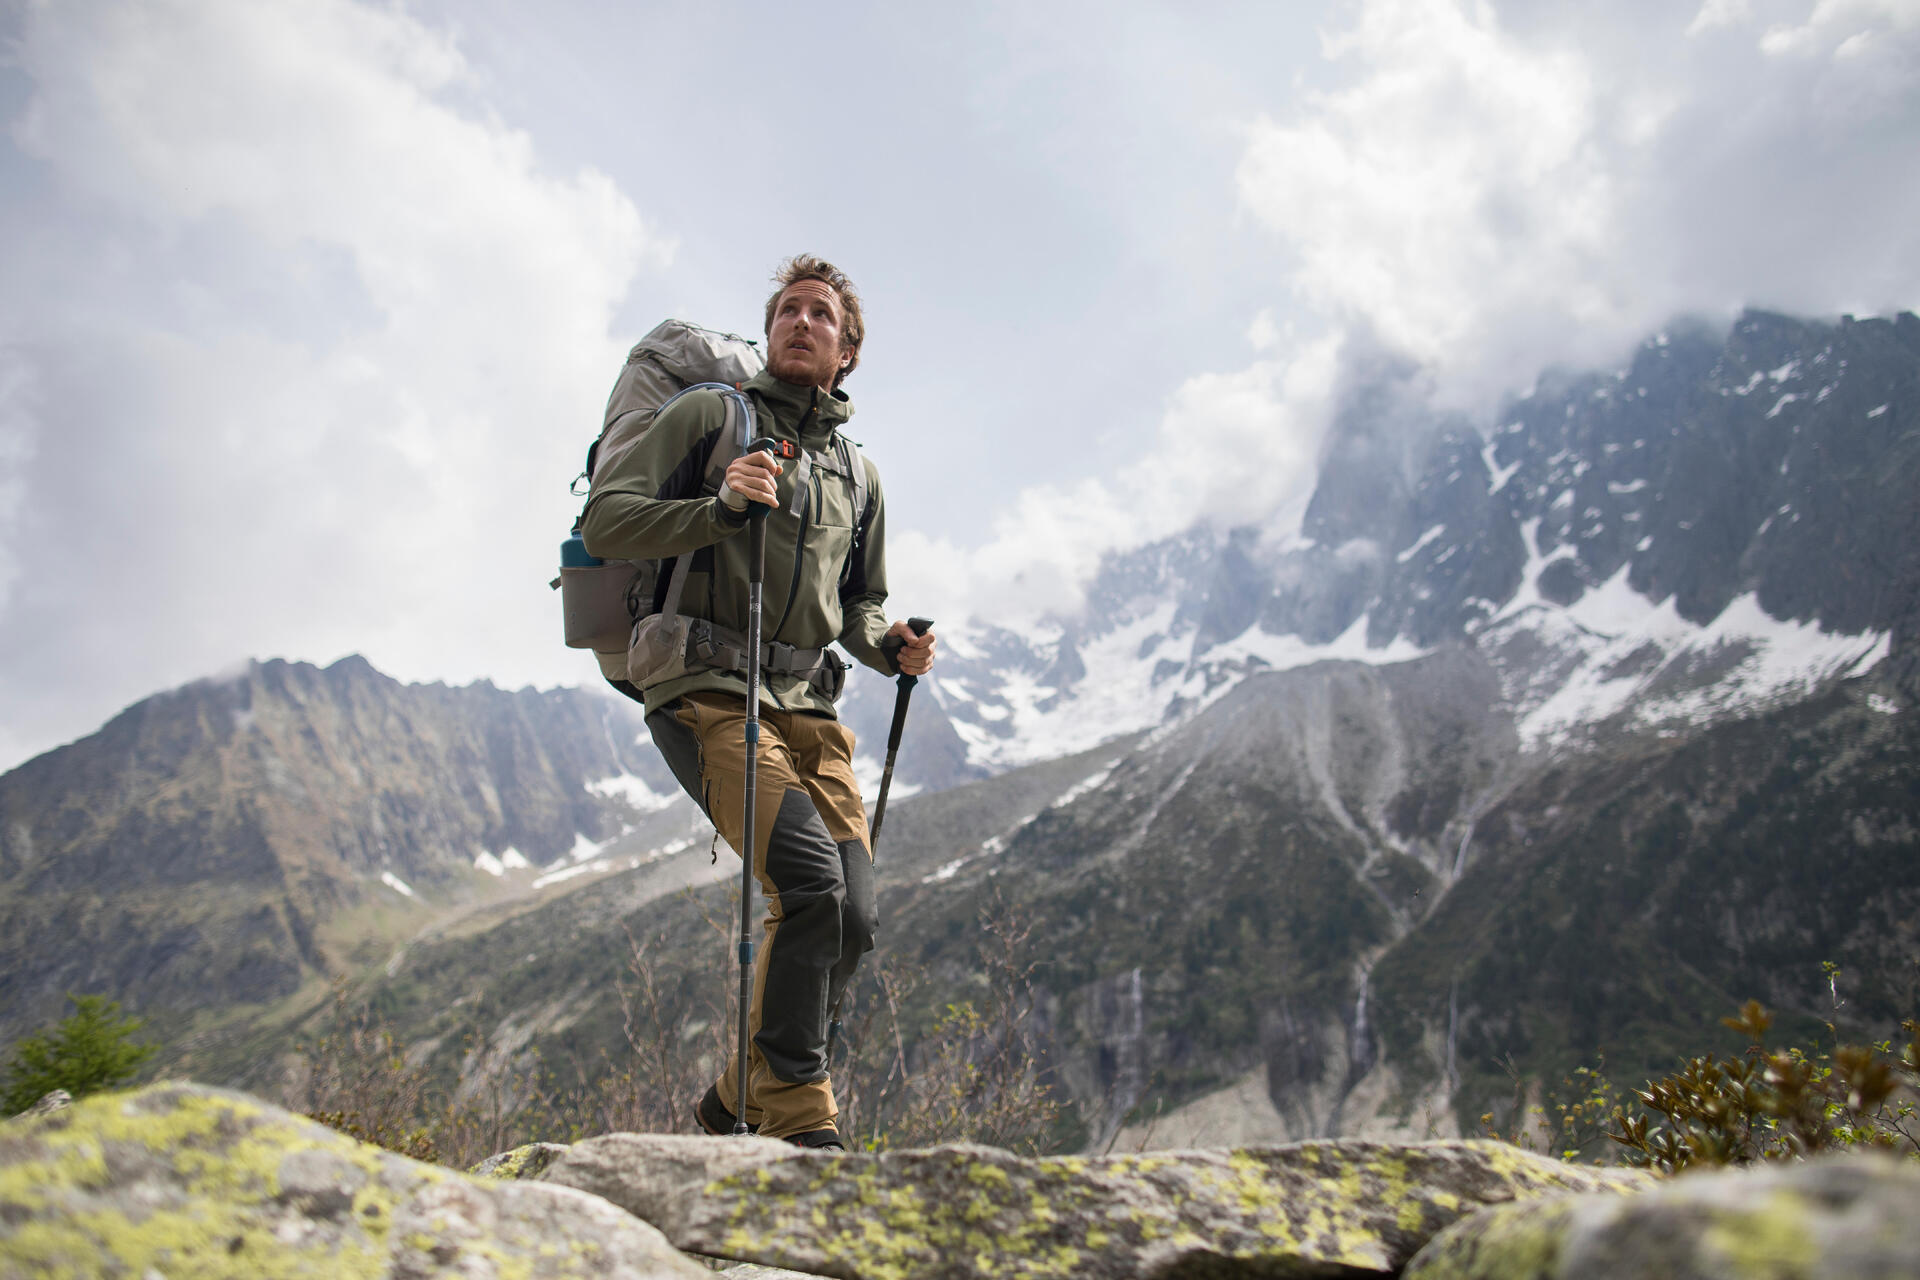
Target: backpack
<point>602,600</point>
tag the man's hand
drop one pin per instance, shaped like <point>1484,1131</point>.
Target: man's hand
<point>916,655</point>
<point>751,477</point>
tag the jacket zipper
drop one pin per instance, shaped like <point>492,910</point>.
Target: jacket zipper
<point>806,512</point>
<point>799,552</point>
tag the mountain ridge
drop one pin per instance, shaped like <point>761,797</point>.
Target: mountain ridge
<point>1263,792</point>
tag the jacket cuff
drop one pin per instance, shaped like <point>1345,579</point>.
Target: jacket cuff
<point>890,648</point>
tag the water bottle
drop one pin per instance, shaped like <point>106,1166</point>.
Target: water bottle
<point>574,554</point>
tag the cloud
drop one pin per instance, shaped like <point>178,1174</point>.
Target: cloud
<point>1493,196</point>
<point>19,411</point>
<point>1486,191</point>
<point>1232,448</point>
<point>304,362</point>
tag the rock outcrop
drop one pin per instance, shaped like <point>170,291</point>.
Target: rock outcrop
<point>1311,1209</point>
<point>180,1180</point>
<point>1832,1219</point>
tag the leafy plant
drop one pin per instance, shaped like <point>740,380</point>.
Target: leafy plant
<point>89,1050</point>
<point>1571,1121</point>
<point>1774,1104</point>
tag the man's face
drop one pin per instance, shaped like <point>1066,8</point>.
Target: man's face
<point>803,346</point>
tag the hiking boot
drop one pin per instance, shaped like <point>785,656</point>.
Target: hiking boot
<point>712,1115</point>
<point>818,1140</point>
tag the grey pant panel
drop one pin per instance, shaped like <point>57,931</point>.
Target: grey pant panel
<point>859,918</point>
<point>681,750</point>
<point>828,911</point>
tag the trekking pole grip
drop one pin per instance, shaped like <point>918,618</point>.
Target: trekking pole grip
<point>774,449</point>
<point>919,627</point>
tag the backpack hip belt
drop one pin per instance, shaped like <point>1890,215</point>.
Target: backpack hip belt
<point>717,648</point>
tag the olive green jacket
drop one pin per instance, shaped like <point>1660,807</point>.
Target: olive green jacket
<point>817,588</point>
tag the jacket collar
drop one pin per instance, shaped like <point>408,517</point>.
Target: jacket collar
<point>806,413</point>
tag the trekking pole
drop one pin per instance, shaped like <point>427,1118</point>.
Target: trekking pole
<point>757,557</point>
<point>919,627</point>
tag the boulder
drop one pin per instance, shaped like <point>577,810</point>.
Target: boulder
<point>1309,1209</point>
<point>179,1180</point>
<point>48,1104</point>
<point>1836,1218</point>
<point>521,1162</point>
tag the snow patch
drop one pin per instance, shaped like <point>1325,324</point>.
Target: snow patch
<point>1417,547</point>
<point>1085,785</point>
<point>1036,721</point>
<point>989,846</point>
<point>1284,653</point>
<point>867,771</point>
<point>584,848</point>
<point>514,860</point>
<point>1881,703</point>
<point>1631,654</point>
<point>1878,410</point>
<point>489,864</point>
<point>568,873</point>
<point>1528,596</point>
<point>624,786</point>
<point>396,884</point>
<point>1632,486</point>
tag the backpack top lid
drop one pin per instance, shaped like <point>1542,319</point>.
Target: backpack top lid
<point>675,356</point>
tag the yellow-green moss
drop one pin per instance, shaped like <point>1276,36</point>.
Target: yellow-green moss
<point>1771,1240</point>
<point>989,1176</point>
<point>514,1165</point>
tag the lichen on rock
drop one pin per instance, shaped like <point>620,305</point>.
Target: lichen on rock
<point>185,1180</point>
<point>521,1163</point>
<point>1835,1218</point>
<point>969,1211</point>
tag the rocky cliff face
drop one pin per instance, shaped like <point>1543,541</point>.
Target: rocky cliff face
<point>192,852</point>
<point>1723,523</point>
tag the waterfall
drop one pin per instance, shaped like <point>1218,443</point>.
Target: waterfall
<point>1360,1057</point>
<point>1460,858</point>
<point>1453,1037</point>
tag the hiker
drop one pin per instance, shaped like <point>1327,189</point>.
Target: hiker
<point>825,581</point>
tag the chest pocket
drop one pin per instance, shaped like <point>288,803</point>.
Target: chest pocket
<point>839,504</point>
<point>832,497</point>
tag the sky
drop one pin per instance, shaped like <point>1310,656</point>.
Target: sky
<point>311,307</point>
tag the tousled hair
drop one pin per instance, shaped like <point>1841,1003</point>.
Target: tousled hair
<point>853,326</point>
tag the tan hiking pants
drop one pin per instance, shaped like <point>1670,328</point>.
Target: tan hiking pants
<point>815,872</point>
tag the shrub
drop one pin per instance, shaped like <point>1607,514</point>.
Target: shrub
<point>1571,1120</point>
<point>90,1050</point>
<point>973,1075</point>
<point>1765,1104</point>
<point>1774,1104</point>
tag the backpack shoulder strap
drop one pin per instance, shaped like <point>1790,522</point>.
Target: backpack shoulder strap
<point>736,430</point>
<point>856,468</point>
